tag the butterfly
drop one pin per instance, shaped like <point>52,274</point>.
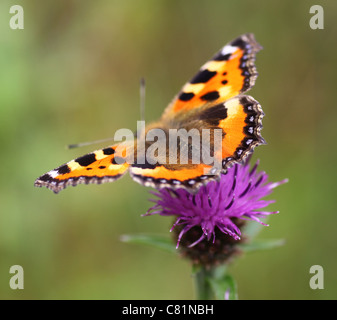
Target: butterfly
<point>213,100</point>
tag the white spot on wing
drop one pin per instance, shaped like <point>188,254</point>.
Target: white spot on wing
<point>228,50</point>
<point>53,173</point>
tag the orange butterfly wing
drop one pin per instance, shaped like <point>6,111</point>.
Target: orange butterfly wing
<point>229,73</point>
<point>98,167</point>
<point>240,122</point>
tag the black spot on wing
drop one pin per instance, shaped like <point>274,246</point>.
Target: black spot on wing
<point>108,151</point>
<point>186,96</point>
<point>86,160</point>
<point>239,43</point>
<point>63,169</point>
<point>203,76</point>
<point>221,57</point>
<point>45,177</point>
<point>210,96</point>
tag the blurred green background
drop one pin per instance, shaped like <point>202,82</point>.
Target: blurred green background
<point>73,75</point>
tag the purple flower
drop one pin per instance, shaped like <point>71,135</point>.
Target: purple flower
<point>219,205</point>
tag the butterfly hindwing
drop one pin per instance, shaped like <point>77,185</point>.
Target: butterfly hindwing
<point>173,176</point>
<point>239,120</point>
<point>241,128</point>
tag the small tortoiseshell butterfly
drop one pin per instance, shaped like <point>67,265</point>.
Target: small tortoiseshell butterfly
<point>213,99</point>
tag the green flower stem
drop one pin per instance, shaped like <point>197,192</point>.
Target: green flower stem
<point>202,286</point>
<point>214,283</point>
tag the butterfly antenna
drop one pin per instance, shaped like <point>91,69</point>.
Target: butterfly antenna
<point>142,99</point>
<point>88,143</point>
<point>142,117</point>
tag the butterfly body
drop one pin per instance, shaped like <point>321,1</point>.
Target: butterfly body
<point>212,104</point>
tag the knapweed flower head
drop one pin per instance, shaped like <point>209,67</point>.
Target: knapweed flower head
<point>219,209</point>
